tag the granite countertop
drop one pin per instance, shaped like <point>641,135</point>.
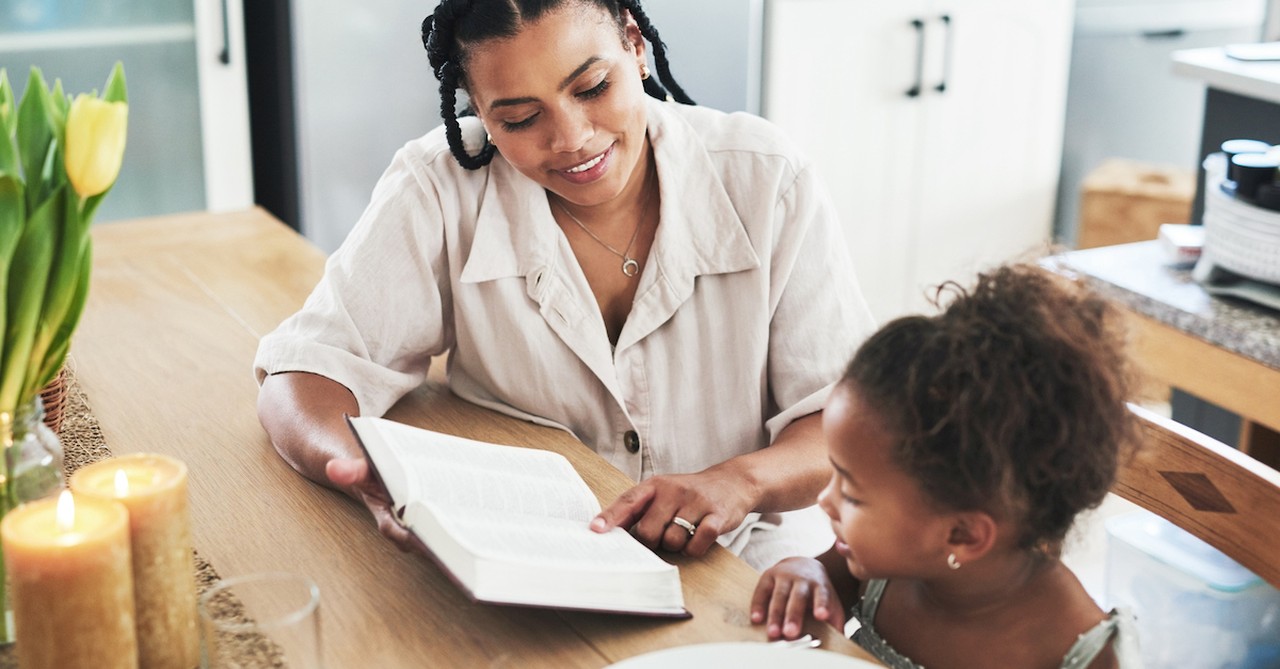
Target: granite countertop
<point>1254,79</point>
<point>1138,276</point>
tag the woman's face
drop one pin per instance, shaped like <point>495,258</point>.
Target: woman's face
<point>563,102</point>
<point>884,523</point>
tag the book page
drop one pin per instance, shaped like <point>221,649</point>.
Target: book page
<point>548,541</point>
<point>453,471</point>
<point>509,524</point>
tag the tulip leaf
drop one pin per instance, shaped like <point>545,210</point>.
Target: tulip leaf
<point>34,134</point>
<point>11,215</point>
<point>69,240</point>
<point>115,90</point>
<point>58,104</point>
<point>28,277</point>
<point>8,105</point>
<point>8,154</point>
<point>57,353</point>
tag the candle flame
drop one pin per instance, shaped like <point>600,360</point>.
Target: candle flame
<point>122,484</point>
<point>66,511</point>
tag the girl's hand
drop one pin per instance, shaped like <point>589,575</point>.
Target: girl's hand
<point>711,501</point>
<point>352,477</point>
<point>788,590</point>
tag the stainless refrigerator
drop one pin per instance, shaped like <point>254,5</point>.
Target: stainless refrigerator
<point>362,88</point>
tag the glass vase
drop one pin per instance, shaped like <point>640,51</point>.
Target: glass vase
<point>32,470</point>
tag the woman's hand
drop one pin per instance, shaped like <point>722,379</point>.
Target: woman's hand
<point>712,502</point>
<point>304,414</point>
<point>787,592</point>
<point>352,477</point>
<point>786,475</point>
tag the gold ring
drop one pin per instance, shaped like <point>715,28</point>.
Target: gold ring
<point>688,526</point>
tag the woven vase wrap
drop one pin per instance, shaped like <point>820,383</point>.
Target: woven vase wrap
<point>54,398</point>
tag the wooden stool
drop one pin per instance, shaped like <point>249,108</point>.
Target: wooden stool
<point>1124,201</point>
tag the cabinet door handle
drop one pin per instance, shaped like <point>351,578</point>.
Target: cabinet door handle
<point>225,56</point>
<point>914,91</point>
<point>946,53</point>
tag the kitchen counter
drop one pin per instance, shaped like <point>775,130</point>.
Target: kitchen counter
<point>1254,79</point>
<point>1222,350</point>
<point>1137,276</point>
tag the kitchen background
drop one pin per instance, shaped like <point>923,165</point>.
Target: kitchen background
<point>950,134</point>
<point>957,140</point>
<point>298,106</point>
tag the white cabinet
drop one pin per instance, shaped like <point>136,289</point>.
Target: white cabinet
<point>937,126</point>
<point>188,146</point>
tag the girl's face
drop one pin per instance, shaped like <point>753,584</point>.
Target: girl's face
<point>884,523</point>
<point>564,103</point>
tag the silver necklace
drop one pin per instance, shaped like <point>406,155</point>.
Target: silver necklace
<point>629,265</point>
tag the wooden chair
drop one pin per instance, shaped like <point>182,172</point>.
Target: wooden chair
<point>1209,489</point>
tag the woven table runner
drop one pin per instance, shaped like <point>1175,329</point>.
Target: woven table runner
<point>83,444</point>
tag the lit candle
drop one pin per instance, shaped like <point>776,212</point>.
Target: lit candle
<point>154,488</point>
<point>71,583</point>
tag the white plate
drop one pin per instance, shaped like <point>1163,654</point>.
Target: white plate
<point>742,655</point>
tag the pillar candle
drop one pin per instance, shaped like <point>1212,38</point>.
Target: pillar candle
<point>71,583</point>
<point>154,489</point>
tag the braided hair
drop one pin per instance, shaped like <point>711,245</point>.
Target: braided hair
<point>457,23</point>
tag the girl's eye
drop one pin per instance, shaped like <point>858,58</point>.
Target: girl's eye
<point>849,498</point>
<point>595,91</point>
<point>511,126</point>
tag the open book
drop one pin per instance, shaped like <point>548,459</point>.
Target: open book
<point>509,524</point>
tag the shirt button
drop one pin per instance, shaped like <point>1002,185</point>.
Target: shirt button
<point>632,441</point>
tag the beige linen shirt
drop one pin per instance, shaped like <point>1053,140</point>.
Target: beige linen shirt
<point>745,314</point>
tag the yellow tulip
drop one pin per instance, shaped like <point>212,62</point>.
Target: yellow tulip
<point>95,143</point>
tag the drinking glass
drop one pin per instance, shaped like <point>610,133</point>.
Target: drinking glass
<point>262,621</point>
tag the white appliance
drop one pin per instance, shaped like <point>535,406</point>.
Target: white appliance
<point>1123,100</point>
<point>188,145</point>
<point>363,88</point>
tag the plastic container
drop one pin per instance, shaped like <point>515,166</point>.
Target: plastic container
<point>1195,607</point>
<point>1238,236</point>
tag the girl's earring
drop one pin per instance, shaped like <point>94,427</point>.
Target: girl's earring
<point>953,562</point>
<point>644,72</point>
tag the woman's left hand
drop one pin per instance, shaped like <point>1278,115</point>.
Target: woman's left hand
<point>661,510</point>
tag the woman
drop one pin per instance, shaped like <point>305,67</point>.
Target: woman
<point>664,281</point>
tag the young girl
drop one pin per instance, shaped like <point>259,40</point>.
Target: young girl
<point>963,446</point>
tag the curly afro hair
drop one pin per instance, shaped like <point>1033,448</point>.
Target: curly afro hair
<point>1011,401</point>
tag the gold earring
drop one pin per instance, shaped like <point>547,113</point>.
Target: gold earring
<point>953,562</point>
<point>644,72</point>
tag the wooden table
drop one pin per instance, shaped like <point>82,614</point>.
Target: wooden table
<point>164,354</point>
<point>1223,350</point>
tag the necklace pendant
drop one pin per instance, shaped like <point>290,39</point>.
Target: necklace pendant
<point>630,266</point>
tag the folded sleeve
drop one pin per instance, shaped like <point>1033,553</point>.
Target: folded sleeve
<point>819,316</point>
<point>381,310</point>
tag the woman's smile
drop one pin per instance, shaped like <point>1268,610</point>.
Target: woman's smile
<point>590,170</point>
